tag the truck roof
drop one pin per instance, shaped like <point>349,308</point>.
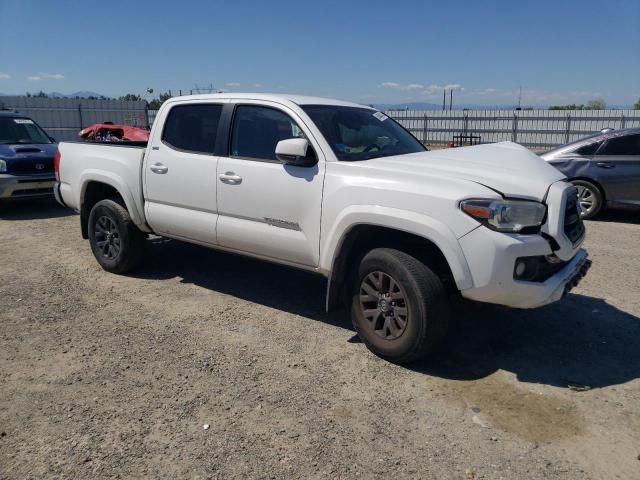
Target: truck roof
<point>274,97</point>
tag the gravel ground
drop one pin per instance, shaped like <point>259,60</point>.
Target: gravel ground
<point>118,376</point>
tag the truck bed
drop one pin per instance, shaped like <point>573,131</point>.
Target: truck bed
<point>117,164</point>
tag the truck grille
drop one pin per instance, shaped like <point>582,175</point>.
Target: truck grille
<point>573,226</point>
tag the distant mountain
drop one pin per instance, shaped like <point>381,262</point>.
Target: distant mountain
<point>438,106</point>
<point>408,106</point>
<point>419,106</point>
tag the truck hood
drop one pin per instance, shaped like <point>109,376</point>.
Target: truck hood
<point>506,167</point>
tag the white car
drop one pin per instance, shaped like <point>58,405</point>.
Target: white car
<point>342,190</point>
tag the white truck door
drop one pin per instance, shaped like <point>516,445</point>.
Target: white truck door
<point>180,173</point>
<point>268,208</point>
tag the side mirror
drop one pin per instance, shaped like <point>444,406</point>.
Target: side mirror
<point>296,151</point>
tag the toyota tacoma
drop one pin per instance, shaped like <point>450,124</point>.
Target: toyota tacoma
<point>341,190</point>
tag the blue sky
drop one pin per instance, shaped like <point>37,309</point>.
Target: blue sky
<point>366,51</point>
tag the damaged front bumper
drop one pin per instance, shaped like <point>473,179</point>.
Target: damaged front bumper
<point>572,274</point>
<point>492,257</point>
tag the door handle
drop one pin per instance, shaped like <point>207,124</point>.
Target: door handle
<point>605,164</point>
<point>231,178</point>
<point>159,168</point>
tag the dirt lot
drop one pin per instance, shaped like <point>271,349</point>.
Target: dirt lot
<point>112,376</point>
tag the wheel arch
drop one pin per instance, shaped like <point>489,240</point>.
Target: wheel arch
<point>441,252</point>
<point>96,187</point>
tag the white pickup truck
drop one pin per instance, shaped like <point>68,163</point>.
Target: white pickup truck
<point>342,190</point>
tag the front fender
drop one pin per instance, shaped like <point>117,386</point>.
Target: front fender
<point>411,222</point>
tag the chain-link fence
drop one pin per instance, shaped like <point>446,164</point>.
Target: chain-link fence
<point>536,129</point>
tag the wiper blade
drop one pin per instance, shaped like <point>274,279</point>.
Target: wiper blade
<point>377,155</point>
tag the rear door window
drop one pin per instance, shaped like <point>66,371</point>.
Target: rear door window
<point>193,128</point>
<point>627,145</point>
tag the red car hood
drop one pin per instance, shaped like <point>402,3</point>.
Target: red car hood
<point>128,133</point>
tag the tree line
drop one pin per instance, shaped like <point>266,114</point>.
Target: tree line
<point>590,105</point>
<point>153,104</point>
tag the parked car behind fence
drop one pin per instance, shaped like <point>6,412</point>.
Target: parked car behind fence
<point>604,167</point>
<point>26,158</point>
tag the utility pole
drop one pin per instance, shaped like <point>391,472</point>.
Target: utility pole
<point>444,98</point>
<point>450,99</point>
<point>520,98</point>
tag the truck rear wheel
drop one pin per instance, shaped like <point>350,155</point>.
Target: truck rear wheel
<point>399,307</point>
<point>115,241</point>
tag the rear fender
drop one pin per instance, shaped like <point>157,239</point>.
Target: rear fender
<point>115,181</point>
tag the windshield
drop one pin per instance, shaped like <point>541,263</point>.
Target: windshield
<point>21,130</point>
<point>360,134</point>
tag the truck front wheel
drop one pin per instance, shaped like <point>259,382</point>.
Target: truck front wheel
<point>399,307</point>
<point>115,241</point>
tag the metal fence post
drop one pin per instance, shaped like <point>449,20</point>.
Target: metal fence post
<point>424,129</point>
<point>622,121</point>
<point>567,129</point>
<point>80,116</point>
<point>514,128</point>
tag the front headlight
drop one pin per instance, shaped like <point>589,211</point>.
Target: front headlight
<point>3,166</point>
<point>505,215</point>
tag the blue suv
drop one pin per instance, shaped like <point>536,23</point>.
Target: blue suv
<point>26,158</point>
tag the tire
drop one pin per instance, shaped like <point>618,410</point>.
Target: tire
<point>590,198</point>
<point>115,241</point>
<point>416,325</point>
